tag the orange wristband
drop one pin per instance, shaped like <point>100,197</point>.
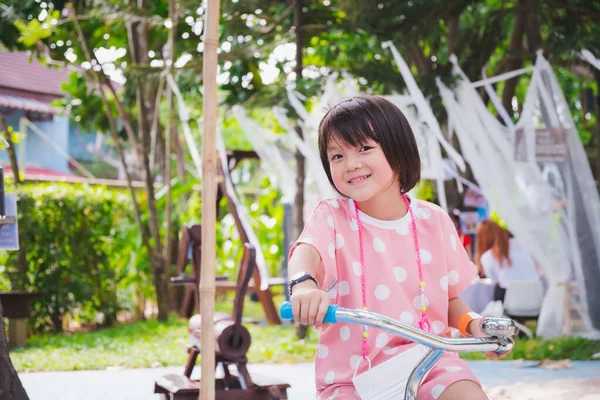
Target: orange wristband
<point>465,320</point>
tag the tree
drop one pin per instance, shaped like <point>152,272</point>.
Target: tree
<point>84,28</point>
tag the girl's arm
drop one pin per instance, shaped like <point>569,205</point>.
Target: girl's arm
<point>456,309</point>
<point>309,303</point>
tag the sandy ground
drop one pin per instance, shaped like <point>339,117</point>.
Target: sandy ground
<point>580,389</point>
<point>502,380</point>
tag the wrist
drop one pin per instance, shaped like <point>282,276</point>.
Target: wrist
<point>306,285</point>
<point>300,278</point>
<point>465,324</point>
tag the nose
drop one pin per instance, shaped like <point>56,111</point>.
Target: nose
<point>353,162</point>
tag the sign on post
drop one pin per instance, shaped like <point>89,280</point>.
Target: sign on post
<point>550,145</point>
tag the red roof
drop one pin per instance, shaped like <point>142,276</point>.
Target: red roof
<point>18,74</point>
<point>29,171</point>
<point>27,104</point>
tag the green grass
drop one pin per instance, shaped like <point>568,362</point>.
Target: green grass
<point>152,343</point>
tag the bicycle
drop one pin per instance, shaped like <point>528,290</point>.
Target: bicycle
<point>500,329</point>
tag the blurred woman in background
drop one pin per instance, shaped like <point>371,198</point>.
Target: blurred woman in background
<point>501,258</point>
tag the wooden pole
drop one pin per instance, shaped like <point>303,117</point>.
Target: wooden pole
<point>209,199</point>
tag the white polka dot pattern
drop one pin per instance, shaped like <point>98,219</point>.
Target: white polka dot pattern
<point>356,268</point>
<point>382,292</point>
<point>437,391</point>
<point>400,274</point>
<point>378,245</point>
<point>329,377</point>
<point>382,340</point>
<point>453,277</point>
<point>438,327</point>
<point>425,256</point>
<point>423,213</point>
<point>389,350</point>
<point>407,317</point>
<point>330,221</point>
<point>339,241</point>
<point>344,288</point>
<point>418,302</point>
<point>453,368</point>
<point>322,351</point>
<point>345,333</point>
<point>444,283</point>
<point>354,360</point>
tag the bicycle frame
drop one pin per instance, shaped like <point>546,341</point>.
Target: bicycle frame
<point>500,329</point>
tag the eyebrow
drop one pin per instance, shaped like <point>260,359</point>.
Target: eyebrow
<point>333,148</point>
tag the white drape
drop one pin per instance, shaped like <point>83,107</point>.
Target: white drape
<point>529,195</point>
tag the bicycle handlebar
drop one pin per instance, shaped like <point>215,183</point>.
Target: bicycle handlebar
<point>500,329</point>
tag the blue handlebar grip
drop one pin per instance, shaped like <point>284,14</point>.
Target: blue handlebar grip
<point>285,311</point>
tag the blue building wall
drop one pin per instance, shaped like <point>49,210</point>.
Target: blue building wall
<point>77,140</point>
<point>38,152</point>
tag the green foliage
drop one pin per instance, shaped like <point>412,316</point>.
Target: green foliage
<point>78,243</point>
<point>33,31</point>
<point>424,190</point>
<point>266,217</point>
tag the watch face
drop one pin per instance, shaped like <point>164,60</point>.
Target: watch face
<point>297,276</point>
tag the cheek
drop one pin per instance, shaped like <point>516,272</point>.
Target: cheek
<point>337,174</point>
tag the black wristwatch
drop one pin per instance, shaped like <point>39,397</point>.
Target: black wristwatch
<point>298,278</point>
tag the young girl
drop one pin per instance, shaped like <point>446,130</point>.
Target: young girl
<point>379,250</point>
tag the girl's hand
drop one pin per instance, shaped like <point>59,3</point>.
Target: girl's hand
<point>476,331</point>
<point>309,304</point>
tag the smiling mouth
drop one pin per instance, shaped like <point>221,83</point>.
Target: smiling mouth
<point>359,179</point>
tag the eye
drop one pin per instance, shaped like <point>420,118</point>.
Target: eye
<point>365,148</point>
<point>336,157</point>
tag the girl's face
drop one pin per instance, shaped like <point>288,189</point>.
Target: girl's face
<point>361,172</point>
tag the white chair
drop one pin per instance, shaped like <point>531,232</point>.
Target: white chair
<point>523,299</point>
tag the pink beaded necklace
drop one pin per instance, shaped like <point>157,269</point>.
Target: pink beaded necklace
<point>423,322</point>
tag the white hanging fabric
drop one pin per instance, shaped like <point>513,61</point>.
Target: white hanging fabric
<point>542,203</point>
<point>267,146</point>
<point>426,129</point>
<point>589,57</point>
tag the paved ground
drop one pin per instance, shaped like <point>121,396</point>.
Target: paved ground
<point>505,380</point>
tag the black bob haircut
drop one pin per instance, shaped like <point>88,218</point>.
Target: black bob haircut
<point>358,119</point>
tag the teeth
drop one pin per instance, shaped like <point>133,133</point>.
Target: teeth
<point>362,178</point>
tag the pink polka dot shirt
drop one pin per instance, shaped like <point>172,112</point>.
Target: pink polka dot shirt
<point>392,287</point>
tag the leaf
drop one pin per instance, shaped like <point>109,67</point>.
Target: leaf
<point>32,32</point>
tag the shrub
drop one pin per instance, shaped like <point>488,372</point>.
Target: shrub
<point>74,240</point>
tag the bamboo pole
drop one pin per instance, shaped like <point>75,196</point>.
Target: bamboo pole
<point>209,199</point>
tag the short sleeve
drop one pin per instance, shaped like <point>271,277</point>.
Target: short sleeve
<point>319,232</point>
<point>460,268</point>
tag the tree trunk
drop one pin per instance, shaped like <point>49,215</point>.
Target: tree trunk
<point>453,34</point>
<point>14,165</point>
<point>534,36</point>
<point>514,57</point>
<point>138,43</point>
<point>597,76</point>
<point>301,330</point>
<point>10,384</point>
<point>19,282</point>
